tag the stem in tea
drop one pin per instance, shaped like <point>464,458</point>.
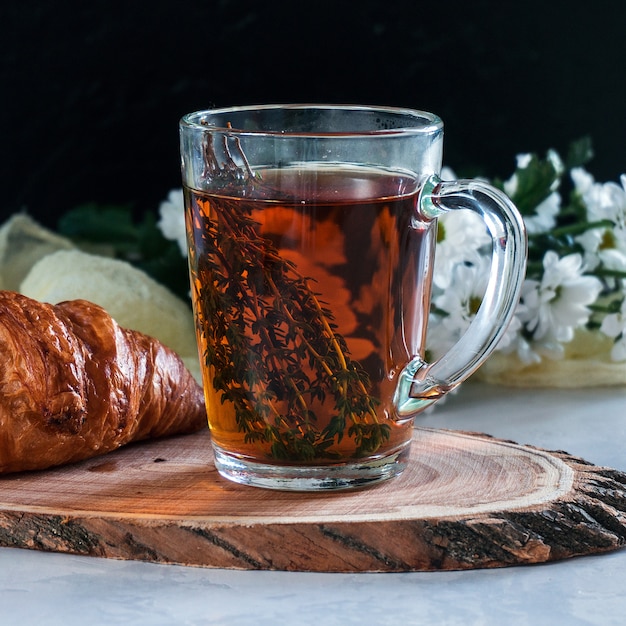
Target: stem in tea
<point>273,347</point>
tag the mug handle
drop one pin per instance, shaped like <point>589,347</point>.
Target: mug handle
<point>420,383</point>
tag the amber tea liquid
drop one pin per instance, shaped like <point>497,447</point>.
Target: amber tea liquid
<point>311,292</point>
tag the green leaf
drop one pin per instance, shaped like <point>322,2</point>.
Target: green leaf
<point>140,243</point>
<point>580,153</point>
<point>99,224</point>
<point>534,184</point>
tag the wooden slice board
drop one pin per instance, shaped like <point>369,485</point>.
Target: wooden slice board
<point>465,501</point>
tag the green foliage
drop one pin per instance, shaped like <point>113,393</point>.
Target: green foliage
<point>536,181</point>
<point>580,152</point>
<point>140,243</point>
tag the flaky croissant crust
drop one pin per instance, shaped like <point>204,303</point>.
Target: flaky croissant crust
<point>74,384</point>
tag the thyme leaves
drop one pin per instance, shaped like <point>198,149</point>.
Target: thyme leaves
<point>274,347</point>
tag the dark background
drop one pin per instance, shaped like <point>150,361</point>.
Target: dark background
<point>91,92</point>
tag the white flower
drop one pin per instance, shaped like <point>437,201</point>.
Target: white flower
<point>582,179</point>
<point>439,339</point>
<point>591,241</point>
<point>172,219</point>
<point>513,339</point>
<point>614,325</point>
<point>464,294</point>
<point>547,210</point>
<point>447,173</point>
<point>457,306</point>
<point>545,218</point>
<point>557,301</point>
<point>607,201</point>
<point>606,246</point>
<point>519,345</point>
<point>460,237</point>
<point>558,304</point>
<point>603,246</point>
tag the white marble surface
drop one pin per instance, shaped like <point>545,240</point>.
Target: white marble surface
<point>49,589</point>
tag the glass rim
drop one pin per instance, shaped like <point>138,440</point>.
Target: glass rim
<point>433,122</point>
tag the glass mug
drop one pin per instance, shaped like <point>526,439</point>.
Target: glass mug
<point>311,232</point>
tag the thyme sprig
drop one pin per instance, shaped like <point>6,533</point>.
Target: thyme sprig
<point>273,345</point>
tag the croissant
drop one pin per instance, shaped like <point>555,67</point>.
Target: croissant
<point>74,384</point>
